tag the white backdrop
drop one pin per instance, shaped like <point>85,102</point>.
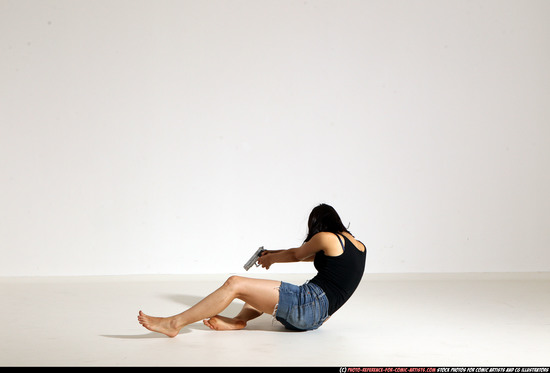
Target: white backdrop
<point>156,136</point>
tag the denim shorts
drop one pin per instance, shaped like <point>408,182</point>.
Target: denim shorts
<point>301,307</point>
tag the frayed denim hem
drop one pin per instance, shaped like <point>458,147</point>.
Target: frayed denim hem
<point>274,314</point>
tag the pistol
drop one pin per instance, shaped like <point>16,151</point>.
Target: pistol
<point>253,259</point>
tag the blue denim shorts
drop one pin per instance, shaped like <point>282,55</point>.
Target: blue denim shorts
<point>301,307</point>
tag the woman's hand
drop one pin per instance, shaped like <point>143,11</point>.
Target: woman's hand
<point>266,258</point>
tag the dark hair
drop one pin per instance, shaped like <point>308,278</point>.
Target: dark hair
<point>324,218</point>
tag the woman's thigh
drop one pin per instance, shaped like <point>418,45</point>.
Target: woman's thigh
<point>261,294</point>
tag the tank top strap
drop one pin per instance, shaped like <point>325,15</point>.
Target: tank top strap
<point>341,243</point>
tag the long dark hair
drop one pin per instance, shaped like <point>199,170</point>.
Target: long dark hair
<point>324,218</point>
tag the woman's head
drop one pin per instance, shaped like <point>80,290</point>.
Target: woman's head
<point>324,218</point>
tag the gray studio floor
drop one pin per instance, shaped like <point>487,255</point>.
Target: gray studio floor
<point>392,320</point>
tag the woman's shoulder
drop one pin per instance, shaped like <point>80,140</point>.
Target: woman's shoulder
<point>325,237</point>
<point>328,242</point>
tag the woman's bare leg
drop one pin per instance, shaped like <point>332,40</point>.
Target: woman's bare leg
<point>261,295</point>
<point>238,322</point>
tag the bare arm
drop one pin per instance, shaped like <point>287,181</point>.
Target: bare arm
<point>279,256</point>
<point>306,252</point>
<point>309,259</point>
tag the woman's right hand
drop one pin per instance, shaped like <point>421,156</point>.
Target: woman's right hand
<point>265,259</point>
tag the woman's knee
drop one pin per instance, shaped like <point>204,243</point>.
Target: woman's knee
<point>262,295</point>
<point>234,284</point>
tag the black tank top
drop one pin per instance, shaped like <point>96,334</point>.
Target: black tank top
<point>339,275</point>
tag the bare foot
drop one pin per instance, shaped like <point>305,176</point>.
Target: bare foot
<point>164,325</point>
<point>224,323</point>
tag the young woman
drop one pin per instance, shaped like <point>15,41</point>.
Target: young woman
<point>338,257</point>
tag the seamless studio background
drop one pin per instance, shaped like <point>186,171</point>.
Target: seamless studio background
<point>173,137</point>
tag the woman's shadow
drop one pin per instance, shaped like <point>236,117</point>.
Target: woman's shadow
<point>262,323</point>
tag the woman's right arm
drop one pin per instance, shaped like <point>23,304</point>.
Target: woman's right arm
<point>308,259</point>
<point>268,257</point>
<point>306,252</point>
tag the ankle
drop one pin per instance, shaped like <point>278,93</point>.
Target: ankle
<point>177,323</point>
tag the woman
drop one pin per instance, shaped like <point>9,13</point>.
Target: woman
<point>338,257</point>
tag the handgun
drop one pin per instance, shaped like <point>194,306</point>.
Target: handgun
<point>253,259</point>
